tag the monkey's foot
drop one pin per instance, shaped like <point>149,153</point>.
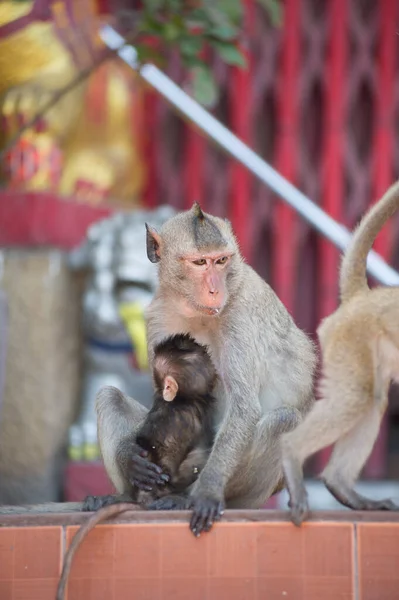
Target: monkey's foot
<point>385,504</point>
<point>94,503</point>
<point>170,503</point>
<point>205,512</point>
<point>299,508</point>
<point>352,499</point>
<point>368,504</point>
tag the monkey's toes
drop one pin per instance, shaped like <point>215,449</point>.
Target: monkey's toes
<point>169,503</point>
<point>94,503</point>
<point>386,504</point>
<point>299,510</point>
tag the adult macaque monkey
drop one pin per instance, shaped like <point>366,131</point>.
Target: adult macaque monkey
<point>265,365</point>
<point>360,348</point>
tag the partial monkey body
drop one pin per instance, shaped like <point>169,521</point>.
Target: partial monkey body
<point>360,351</point>
<point>177,433</point>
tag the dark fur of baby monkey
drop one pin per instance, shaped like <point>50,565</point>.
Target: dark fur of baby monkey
<point>177,433</point>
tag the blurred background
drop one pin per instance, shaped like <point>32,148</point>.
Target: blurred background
<point>89,152</point>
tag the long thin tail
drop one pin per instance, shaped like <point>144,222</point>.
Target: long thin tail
<point>353,268</point>
<point>101,515</point>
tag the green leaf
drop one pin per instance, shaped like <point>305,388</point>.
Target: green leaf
<point>192,61</point>
<point>153,5</point>
<point>223,32</point>
<point>198,16</point>
<point>233,9</point>
<point>275,10</point>
<point>220,26</point>
<point>230,54</point>
<point>173,5</point>
<point>171,32</point>
<point>191,46</point>
<point>148,24</point>
<point>147,54</point>
<point>204,87</point>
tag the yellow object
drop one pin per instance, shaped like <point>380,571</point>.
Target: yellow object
<point>95,128</point>
<point>132,314</point>
<point>75,453</point>
<point>32,50</point>
<point>91,452</point>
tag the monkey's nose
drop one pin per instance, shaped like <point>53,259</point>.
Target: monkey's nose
<point>213,292</point>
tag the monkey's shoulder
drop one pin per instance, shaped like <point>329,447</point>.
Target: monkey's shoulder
<point>258,302</point>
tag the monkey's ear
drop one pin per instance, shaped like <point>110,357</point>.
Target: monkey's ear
<point>170,388</point>
<point>153,244</point>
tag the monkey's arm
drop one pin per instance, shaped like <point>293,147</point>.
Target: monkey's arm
<point>236,433</point>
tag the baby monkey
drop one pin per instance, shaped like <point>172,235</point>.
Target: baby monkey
<point>178,430</point>
<point>177,433</point>
<point>360,351</point>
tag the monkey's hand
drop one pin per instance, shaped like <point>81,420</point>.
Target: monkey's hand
<point>143,473</point>
<point>206,511</point>
<point>171,502</point>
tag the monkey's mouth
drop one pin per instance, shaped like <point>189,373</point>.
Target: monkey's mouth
<point>210,311</point>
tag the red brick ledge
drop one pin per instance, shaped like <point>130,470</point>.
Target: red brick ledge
<point>31,518</point>
<point>250,555</point>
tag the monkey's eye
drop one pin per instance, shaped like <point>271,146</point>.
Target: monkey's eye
<point>223,260</point>
<point>200,262</point>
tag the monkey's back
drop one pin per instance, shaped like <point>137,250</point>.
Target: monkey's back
<point>172,429</point>
<point>348,336</point>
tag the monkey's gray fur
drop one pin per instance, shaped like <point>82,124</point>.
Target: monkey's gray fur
<point>265,363</point>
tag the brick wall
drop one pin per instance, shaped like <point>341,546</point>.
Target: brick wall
<point>250,555</point>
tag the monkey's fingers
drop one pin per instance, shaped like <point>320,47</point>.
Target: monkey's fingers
<point>217,516</point>
<point>205,512</point>
<point>143,463</point>
<point>145,481</point>
<point>143,478</point>
<point>142,486</point>
<point>146,473</point>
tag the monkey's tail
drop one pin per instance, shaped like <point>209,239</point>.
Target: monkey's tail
<point>100,515</point>
<point>353,277</point>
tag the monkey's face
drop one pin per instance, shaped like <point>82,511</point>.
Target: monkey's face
<point>198,260</point>
<point>203,278</point>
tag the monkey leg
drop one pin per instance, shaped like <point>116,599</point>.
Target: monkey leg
<point>322,426</point>
<point>260,473</point>
<point>118,419</point>
<point>348,458</point>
